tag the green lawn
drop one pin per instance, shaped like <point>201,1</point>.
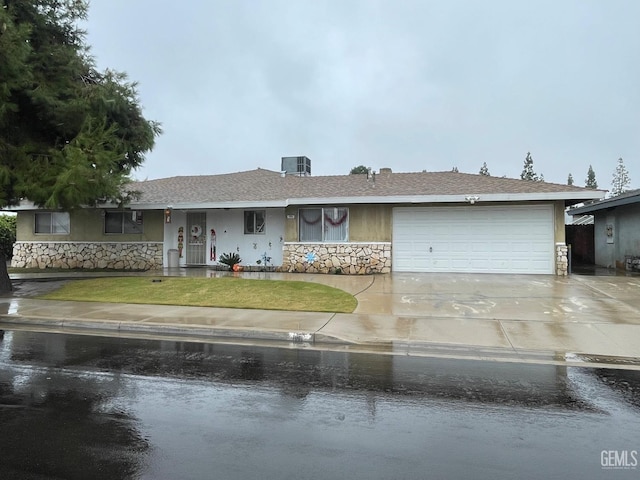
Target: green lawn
<point>227,292</point>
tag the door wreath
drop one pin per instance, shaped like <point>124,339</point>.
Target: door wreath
<point>196,231</point>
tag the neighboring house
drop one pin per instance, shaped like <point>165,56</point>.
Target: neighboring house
<point>616,230</point>
<point>582,220</point>
<point>361,223</point>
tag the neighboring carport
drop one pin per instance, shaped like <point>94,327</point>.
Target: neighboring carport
<point>616,230</point>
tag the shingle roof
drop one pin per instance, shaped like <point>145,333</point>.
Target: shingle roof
<point>262,185</point>
<point>627,198</point>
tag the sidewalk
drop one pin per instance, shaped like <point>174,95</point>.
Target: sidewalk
<point>586,320</point>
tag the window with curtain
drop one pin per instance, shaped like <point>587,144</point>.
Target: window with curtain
<point>123,222</point>
<point>329,224</point>
<point>56,223</point>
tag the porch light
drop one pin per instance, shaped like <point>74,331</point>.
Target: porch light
<point>167,215</point>
<point>472,199</point>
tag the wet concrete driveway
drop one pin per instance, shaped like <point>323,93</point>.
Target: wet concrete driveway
<point>522,313</point>
<point>507,297</point>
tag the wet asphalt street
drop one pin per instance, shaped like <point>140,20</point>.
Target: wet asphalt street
<point>80,407</point>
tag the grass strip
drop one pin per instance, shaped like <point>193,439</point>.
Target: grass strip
<point>227,292</point>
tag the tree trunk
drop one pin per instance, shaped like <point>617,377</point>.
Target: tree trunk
<point>5,281</point>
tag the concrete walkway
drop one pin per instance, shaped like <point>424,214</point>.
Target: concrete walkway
<point>590,320</point>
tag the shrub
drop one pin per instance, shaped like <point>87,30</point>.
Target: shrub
<point>230,259</point>
<point>7,235</point>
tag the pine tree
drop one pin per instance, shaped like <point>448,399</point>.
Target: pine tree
<point>590,182</point>
<point>528,172</point>
<point>620,180</point>
<point>70,135</point>
<point>570,179</point>
<point>484,170</point>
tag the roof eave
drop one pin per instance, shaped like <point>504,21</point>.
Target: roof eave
<point>571,196</point>
<point>604,205</point>
<point>458,198</point>
<point>208,205</point>
<point>27,205</point>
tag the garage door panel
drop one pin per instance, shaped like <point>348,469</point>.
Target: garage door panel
<point>473,239</point>
<point>497,248</point>
<point>483,246</point>
<point>518,247</point>
<point>479,264</point>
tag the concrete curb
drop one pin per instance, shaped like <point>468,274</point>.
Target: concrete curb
<point>158,329</point>
<point>315,341</point>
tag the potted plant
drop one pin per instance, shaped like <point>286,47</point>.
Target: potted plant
<point>230,259</point>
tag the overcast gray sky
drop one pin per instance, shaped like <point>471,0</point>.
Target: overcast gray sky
<point>408,84</point>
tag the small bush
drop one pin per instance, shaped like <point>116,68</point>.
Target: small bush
<point>230,259</point>
<point>7,235</point>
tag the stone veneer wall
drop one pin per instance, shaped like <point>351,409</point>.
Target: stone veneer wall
<point>349,258</point>
<point>121,256</point>
<point>562,259</point>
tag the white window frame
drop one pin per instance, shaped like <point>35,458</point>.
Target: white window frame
<point>59,223</point>
<point>325,226</point>
<point>138,227</point>
<point>255,229</point>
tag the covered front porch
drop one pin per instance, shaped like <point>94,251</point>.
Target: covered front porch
<point>202,236</point>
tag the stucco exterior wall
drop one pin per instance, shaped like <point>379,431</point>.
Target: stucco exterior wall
<point>628,226</point>
<point>291,224</point>
<point>559,230</point>
<point>230,236</point>
<point>612,250</point>
<point>604,247</point>
<point>87,225</point>
<point>370,223</point>
<point>367,222</point>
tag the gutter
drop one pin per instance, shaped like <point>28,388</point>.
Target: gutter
<point>392,199</point>
<point>604,205</point>
<point>576,196</point>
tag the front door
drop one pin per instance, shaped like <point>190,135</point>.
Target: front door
<point>196,238</point>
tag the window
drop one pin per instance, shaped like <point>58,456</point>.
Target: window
<point>324,224</point>
<point>53,223</point>
<point>123,222</point>
<point>254,221</point>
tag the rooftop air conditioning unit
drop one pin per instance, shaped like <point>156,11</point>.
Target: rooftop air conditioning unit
<point>300,166</point>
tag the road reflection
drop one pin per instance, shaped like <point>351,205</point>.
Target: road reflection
<point>58,424</point>
<point>97,407</point>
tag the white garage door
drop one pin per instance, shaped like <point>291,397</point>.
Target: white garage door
<point>473,239</point>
